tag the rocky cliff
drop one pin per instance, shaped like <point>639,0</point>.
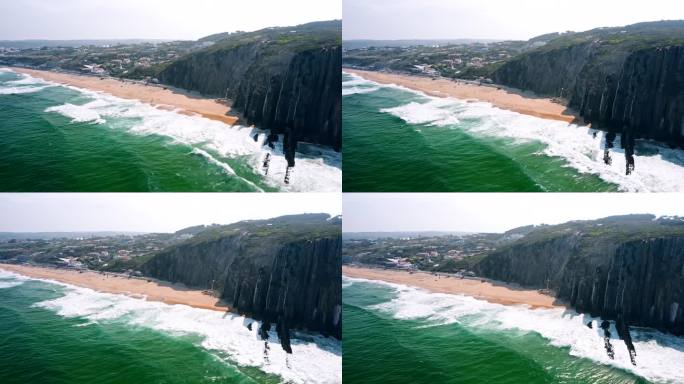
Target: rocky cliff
<point>284,271</point>
<point>625,268</point>
<point>627,80</point>
<point>287,80</point>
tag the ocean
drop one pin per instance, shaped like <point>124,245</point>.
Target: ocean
<point>396,139</point>
<point>57,333</point>
<point>400,334</point>
<point>63,138</point>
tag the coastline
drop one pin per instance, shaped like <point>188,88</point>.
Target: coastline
<point>163,97</point>
<point>142,288</point>
<point>498,96</point>
<point>482,289</point>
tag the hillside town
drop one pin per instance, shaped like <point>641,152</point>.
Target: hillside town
<point>470,61</point>
<point>119,253</point>
<point>138,61</point>
<point>451,253</point>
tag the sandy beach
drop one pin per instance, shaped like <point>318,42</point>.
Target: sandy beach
<point>498,96</point>
<point>490,291</point>
<point>152,290</point>
<point>159,96</point>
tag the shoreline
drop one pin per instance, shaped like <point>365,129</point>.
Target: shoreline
<point>498,96</point>
<point>481,289</point>
<point>144,288</point>
<point>160,96</point>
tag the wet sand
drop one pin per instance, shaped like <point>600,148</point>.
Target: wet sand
<point>152,290</point>
<point>495,292</point>
<point>163,97</point>
<point>498,96</point>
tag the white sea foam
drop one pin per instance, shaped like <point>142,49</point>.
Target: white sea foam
<point>25,84</point>
<point>7,275</point>
<point>312,173</point>
<point>357,85</point>
<point>78,113</point>
<point>12,90</point>
<point>658,168</point>
<point>10,279</point>
<point>224,166</point>
<point>346,91</point>
<point>29,80</point>
<point>660,357</point>
<point>315,359</point>
<point>10,284</point>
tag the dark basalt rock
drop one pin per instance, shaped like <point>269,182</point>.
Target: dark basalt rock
<point>605,325</point>
<point>627,80</point>
<point>283,271</point>
<point>627,268</point>
<point>287,80</point>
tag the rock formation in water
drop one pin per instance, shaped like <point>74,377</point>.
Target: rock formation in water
<point>284,271</point>
<point>626,80</point>
<point>625,268</point>
<point>287,80</point>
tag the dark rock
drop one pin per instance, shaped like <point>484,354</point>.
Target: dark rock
<point>624,334</point>
<point>628,267</point>
<point>284,270</point>
<point>605,325</point>
<point>284,334</point>
<point>631,85</point>
<point>288,83</point>
<point>263,330</point>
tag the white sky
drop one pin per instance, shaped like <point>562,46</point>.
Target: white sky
<point>150,212</point>
<point>153,19</point>
<point>493,212</point>
<point>494,19</point>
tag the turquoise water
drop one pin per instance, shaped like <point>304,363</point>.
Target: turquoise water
<point>57,138</point>
<point>400,140</point>
<point>52,333</point>
<point>395,334</point>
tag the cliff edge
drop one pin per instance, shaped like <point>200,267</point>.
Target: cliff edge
<point>283,271</point>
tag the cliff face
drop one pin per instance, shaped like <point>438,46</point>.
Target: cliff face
<point>283,80</point>
<point>284,271</point>
<point>625,80</point>
<point>635,276</point>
